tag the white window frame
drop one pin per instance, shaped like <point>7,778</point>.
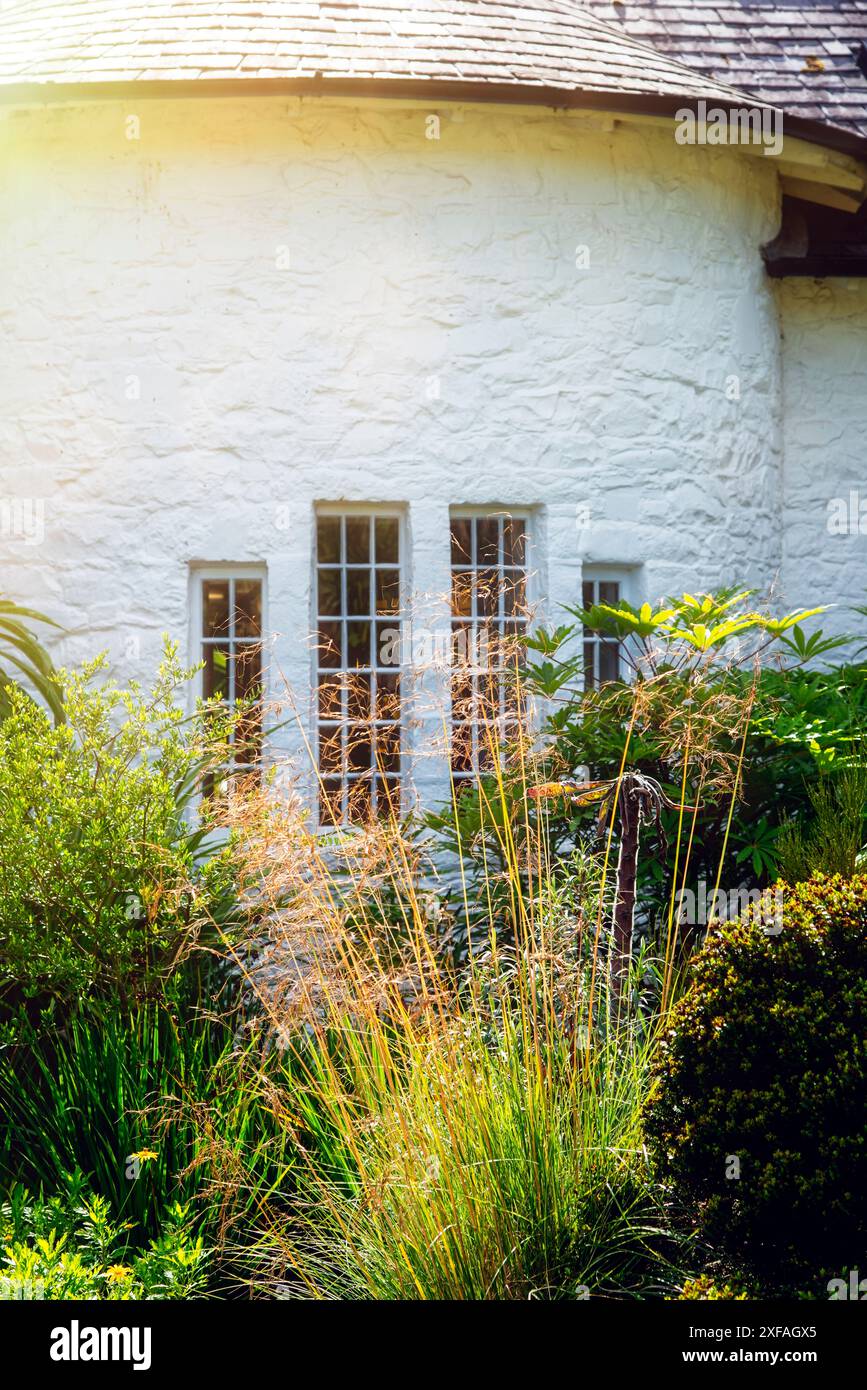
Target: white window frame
<point>626,577</point>
<point>201,572</point>
<point>526,517</point>
<point>391,511</point>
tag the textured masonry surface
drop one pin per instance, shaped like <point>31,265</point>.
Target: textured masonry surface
<point>258,304</point>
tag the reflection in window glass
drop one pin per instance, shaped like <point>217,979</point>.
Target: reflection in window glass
<point>232,656</point>
<point>358,697</point>
<point>489,614</point>
<point>601,653</point>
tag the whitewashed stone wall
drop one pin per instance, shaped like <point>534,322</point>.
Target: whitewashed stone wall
<point>218,312</point>
<point>824,325</point>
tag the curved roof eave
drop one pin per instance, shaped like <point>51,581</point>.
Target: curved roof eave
<point>427,90</point>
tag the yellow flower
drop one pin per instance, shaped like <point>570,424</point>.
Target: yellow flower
<point>116,1274</point>
<point>145,1155</point>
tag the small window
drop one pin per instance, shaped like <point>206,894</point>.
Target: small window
<point>231,628</point>
<point>358,684</point>
<point>601,653</point>
<point>489,558</point>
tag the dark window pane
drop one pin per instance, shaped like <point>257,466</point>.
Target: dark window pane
<point>328,540</point>
<point>248,608</point>
<point>609,592</point>
<point>330,750</point>
<point>462,748</point>
<point>328,645</point>
<point>358,540</point>
<point>514,542</point>
<point>487,540</point>
<point>589,664</point>
<point>358,696</point>
<point>461,541</point>
<point>488,593</point>
<point>463,645</point>
<point>489,695</point>
<point>511,696</point>
<point>462,594</point>
<point>330,812</point>
<point>247,737</point>
<point>388,748</point>
<point>387,591</point>
<point>387,797</point>
<point>488,750</point>
<point>358,591</point>
<point>215,677</point>
<point>358,809</point>
<point>358,644</point>
<point>387,540</point>
<point>359,747</point>
<point>387,697</point>
<point>463,700</point>
<point>512,651</point>
<point>608,663</point>
<point>514,594</point>
<point>248,672</point>
<point>329,591</point>
<point>587,598</point>
<point>215,607</point>
<point>330,697</point>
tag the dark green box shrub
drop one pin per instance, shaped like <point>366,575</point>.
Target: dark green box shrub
<point>764,1071</point>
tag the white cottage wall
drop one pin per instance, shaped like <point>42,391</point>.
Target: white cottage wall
<point>218,312</point>
<point>824,328</point>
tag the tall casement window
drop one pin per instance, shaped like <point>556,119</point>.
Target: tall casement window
<point>601,655</point>
<point>358,684</point>
<point>231,607</point>
<point>489,558</point>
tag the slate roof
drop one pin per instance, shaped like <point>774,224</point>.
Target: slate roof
<point>522,44</point>
<point>649,55</point>
<point>801,55</point>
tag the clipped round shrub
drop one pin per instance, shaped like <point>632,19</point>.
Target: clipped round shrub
<point>758,1109</point>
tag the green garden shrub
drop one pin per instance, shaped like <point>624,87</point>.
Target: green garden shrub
<point>103,884</point>
<point>758,1109</point>
<point>68,1246</point>
<point>705,1289</point>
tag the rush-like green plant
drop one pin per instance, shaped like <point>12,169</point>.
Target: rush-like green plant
<point>832,841</point>
<point>22,656</point>
<point>463,1133</point>
<point>118,1093</point>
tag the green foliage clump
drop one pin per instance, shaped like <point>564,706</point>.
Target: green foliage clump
<point>833,843</point>
<point>704,1288</point>
<point>109,1084</point>
<point>101,886</point>
<point>690,710</point>
<point>757,1112</point>
<point>67,1246</point>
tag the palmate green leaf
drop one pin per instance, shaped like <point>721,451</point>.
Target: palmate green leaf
<point>808,648</point>
<point>547,679</point>
<point>547,643</point>
<point>704,608</point>
<point>703,638</point>
<point>777,626</point>
<point>624,620</point>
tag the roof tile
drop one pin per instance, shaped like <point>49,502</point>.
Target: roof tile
<point>766,35</point>
<point>532,43</point>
